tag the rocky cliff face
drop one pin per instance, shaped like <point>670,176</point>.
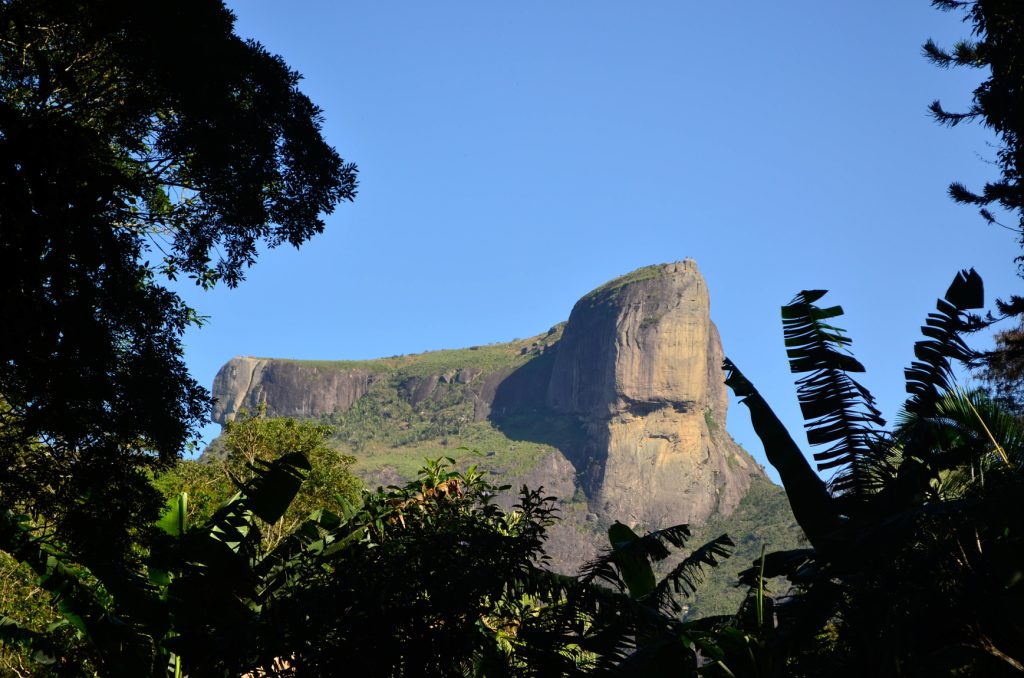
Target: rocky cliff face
<point>630,394</point>
<point>639,364</point>
<point>289,388</point>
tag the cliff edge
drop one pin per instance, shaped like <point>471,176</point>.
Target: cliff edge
<point>639,364</point>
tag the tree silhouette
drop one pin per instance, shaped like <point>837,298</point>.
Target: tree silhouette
<point>996,44</point>
<point>137,140</point>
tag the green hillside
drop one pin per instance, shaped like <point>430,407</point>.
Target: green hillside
<point>486,358</point>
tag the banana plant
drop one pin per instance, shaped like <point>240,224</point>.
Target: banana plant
<point>663,644</point>
<point>840,413</point>
<point>888,542</point>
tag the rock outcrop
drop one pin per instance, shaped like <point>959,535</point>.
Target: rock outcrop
<point>640,364</point>
<point>290,388</point>
<point>632,385</point>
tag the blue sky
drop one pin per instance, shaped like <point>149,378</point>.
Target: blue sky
<point>514,156</point>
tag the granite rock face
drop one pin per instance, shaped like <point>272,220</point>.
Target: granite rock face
<point>290,388</point>
<point>640,364</point>
<point>636,371</point>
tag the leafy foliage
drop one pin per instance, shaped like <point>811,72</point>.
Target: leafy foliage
<point>838,410</point>
<point>629,564</point>
<point>126,154</point>
<point>136,140</point>
<point>195,601</point>
<point>255,438</point>
<point>35,639</point>
<point>930,375</point>
<point>997,43</point>
<point>763,518</point>
<point>922,575</point>
<point>426,588</point>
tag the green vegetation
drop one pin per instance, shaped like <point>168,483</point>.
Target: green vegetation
<point>915,558</point>
<point>762,519</point>
<point>709,419</point>
<point>488,358</point>
<point>478,443</point>
<point>997,103</point>
<point>23,599</point>
<point>255,439</point>
<point>129,157</point>
<point>613,286</point>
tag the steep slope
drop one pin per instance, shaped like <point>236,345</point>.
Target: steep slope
<point>640,366</point>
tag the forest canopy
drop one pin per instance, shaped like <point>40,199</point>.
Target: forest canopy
<point>138,142</point>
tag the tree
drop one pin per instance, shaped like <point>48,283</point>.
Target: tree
<point>663,645</point>
<point>435,579</point>
<point>194,603</point>
<point>252,439</point>
<point>996,44</point>
<point>138,142</point>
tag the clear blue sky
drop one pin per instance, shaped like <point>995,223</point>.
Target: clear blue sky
<point>514,156</point>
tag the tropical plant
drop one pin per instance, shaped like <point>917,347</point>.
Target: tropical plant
<point>201,598</point>
<point>254,437</point>
<point>914,569</point>
<point>439,581</point>
<point>996,44</point>
<point>996,47</point>
<point>661,643</point>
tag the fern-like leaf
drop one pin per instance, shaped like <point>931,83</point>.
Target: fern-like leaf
<point>688,575</point>
<point>930,377</point>
<point>839,412</point>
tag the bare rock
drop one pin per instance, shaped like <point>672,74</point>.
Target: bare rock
<point>289,388</point>
<point>640,364</point>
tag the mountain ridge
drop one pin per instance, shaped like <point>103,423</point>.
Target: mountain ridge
<point>619,411</point>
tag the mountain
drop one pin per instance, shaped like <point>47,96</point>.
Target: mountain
<point>620,412</point>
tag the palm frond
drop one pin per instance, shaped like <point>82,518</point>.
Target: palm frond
<point>688,575</point>
<point>997,435</point>
<point>838,411</point>
<point>586,627</point>
<point>614,565</point>
<point>931,375</point>
<point>967,434</point>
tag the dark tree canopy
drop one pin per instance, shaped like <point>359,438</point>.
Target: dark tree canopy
<point>996,44</point>
<point>137,140</point>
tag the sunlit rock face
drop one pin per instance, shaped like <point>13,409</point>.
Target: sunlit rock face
<point>633,383</point>
<point>640,364</point>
